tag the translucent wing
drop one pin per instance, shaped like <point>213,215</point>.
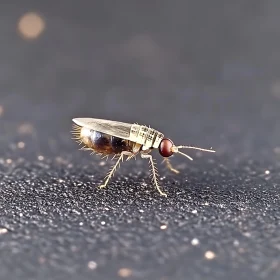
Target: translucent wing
<point>118,129</point>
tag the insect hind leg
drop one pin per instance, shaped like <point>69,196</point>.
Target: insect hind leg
<point>114,168</point>
<point>169,166</point>
<point>154,172</point>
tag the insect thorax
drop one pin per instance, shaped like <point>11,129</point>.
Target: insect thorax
<point>146,136</point>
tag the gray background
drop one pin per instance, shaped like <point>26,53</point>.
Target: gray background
<point>204,73</point>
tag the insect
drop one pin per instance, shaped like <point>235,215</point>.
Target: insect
<point>119,139</point>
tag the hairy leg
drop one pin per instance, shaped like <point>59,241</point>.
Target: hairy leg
<point>154,172</point>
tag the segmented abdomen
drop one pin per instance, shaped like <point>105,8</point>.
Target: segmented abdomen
<point>103,143</point>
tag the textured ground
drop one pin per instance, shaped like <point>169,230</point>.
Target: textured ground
<point>204,74</point>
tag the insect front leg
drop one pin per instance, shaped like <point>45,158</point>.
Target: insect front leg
<point>154,172</point>
<point>169,166</point>
<point>114,168</point>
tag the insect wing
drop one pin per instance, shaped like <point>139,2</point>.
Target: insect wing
<point>117,129</point>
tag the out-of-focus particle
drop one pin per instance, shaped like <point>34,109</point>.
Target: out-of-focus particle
<point>125,272</point>
<point>92,265</point>
<point>209,255</point>
<point>236,243</point>
<point>195,242</point>
<point>31,25</point>
<point>163,227</point>
<point>3,231</point>
<point>20,145</point>
<point>26,128</point>
<point>247,234</point>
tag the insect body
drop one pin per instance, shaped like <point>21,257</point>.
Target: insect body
<point>120,139</point>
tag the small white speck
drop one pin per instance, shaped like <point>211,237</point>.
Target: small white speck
<point>9,161</point>
<point>92,265</point>
<point>194,211</point>
<point>209,255</point>
<point>3,230</point>
<point>141,211</point>
<point>236,243</point>
<point>21,145</point>
<point>247,234</point>
<point>163,227</point>
<point>206,203</point>
<point>103,223</point>
<point>81,224</point>
<point>195,242</point>
<point>267,172</point>
<point>40,158</point>
<point>102,163</point>
<point>20,214</point>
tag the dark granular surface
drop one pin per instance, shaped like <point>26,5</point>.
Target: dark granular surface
<point>204,74</point>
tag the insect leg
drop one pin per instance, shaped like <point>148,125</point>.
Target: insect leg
<point>154,172</point>
<point>113,169</point>
<point>169,166</point>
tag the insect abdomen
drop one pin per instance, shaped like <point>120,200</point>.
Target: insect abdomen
<point>104,143</point>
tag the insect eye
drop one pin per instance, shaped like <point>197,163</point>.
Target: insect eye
<point>165,147</point>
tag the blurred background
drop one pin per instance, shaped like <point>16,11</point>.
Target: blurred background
<point>203,72</point>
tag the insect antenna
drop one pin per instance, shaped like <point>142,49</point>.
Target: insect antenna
<point>175,149</point>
